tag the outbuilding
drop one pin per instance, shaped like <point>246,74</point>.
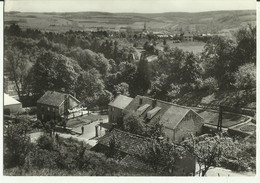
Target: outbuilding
<point>11,105</point>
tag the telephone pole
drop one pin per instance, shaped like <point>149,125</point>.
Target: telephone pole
<point>219,127</point>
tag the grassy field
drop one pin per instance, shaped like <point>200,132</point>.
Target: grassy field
<point>195,47</point>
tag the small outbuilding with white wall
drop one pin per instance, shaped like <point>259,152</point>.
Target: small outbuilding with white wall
<point>11,105</point>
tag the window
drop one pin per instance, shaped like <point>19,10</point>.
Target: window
<point>48,108</point>
<point>42,109</point>
<point>53,109</point>
<point>42,116</point>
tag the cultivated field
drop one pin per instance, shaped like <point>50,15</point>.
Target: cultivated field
<point>195,47</point>
<point>207,22</point>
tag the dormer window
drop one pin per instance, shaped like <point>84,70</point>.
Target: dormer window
<point>143,108</point>
<point>153,112</point>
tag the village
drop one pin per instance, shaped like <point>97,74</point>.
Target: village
<point>97,128</point>
<point>94,93</point>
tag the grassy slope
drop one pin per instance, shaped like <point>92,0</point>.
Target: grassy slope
<point>227,98</point>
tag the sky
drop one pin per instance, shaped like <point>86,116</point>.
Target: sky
<point>138,6</point>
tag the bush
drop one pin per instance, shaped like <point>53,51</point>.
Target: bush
<point>210,84</point>
<point>46,142</point>
<point>41,158</point>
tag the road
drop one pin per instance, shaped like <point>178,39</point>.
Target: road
<point>89,135</point>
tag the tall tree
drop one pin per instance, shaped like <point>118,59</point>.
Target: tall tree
<point>143,77</point>
<point>246,46</point>
<point>18,66</point>
<point>54,72</point>
<point>218,55</point>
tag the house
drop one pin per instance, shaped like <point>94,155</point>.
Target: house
<point>178,122</point>
<point>11,105</point>
<point>128,147</point>
<point>188,37</point>
<point>51,105</point>
<point>116,107</point>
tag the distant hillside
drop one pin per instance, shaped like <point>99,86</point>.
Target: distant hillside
<point>204,22</point>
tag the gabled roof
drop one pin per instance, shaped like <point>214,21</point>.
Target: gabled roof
<point>128,143</point>
<point>54,98</point>
<point>134,105</point>
<point>8,100</point>
<point>173,116</point>
<point>166,113</point>
<point>121,101</point>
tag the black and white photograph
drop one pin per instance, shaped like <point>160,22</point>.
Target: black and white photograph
<point>129,88</point>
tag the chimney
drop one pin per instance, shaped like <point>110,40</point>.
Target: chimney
<point>154,103</point>
<point>140,101</point>
<point>118,93</point>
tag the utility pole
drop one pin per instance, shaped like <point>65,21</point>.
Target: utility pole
<point>66,108</point>
<point>219,127</point>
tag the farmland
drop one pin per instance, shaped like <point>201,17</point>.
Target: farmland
<point>210,22</point>
<point>195,47</point>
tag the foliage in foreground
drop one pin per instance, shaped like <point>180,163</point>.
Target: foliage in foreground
<point>53,155</point>
<point>221,151</point>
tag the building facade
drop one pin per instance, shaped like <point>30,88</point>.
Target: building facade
<point>188,37</point>
<point>51,105</point>
<point>116,107</point>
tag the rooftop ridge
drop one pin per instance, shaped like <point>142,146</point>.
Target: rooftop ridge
<point>131,134</point>
<point>170,103</point>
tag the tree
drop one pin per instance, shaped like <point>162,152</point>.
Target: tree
<point>191,69</point>
<point>14,30</point>
<point>142,77</point>
<point>160,87</point>
<point>113,147</point>
<point>160,155</point>
<point>122,88</point>
<point>16,141</point>
<point>209,149</point>
<point>91,89</point>
<point>54,72</point>
<point>18,65</point>
<point>134,124</point>
<point>246,46</point>
<point>218,56</point>
<point>245,77</point>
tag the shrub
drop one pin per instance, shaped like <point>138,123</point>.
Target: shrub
<point>210,84</point>
<point>46,142</point>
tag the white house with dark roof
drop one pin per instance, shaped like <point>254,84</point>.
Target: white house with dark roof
<point>178,122</point>
<point>51,105</point>
<point>11,105</point>
<point>116,107</point>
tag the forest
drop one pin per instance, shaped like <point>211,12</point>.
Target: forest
<point>95,67</point>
